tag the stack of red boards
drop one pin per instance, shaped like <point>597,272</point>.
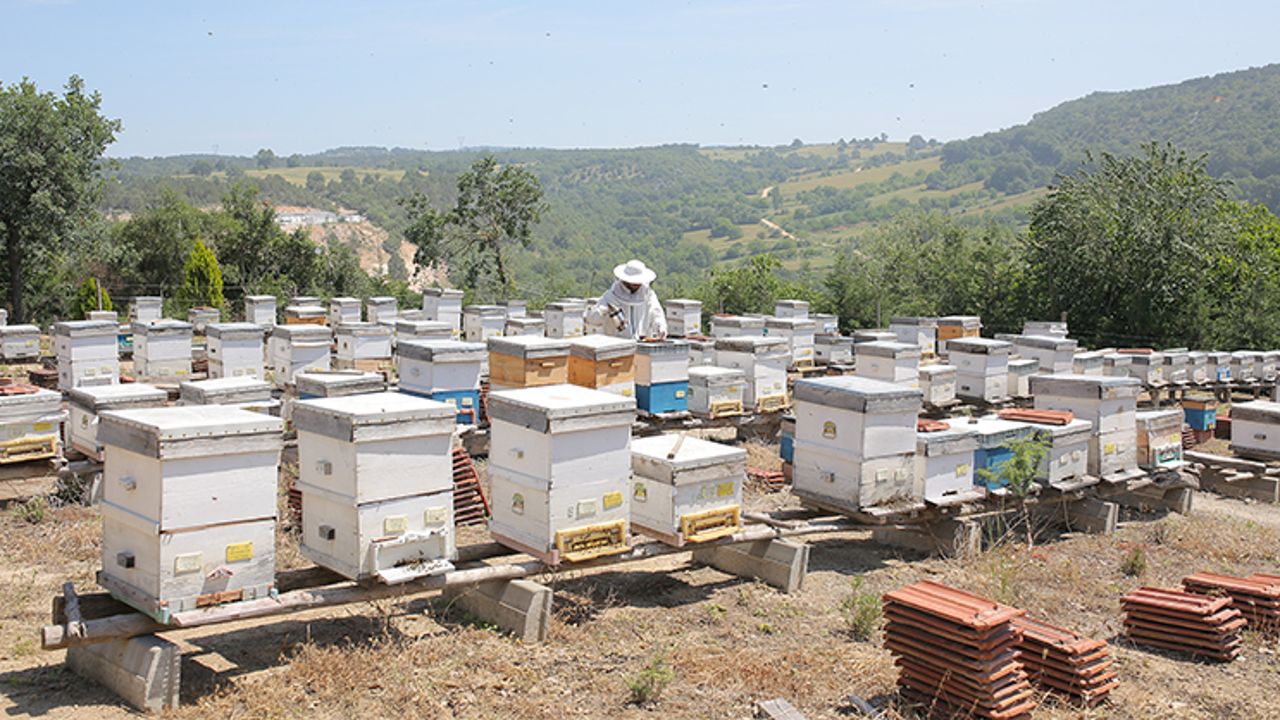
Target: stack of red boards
<point>959,650</point>
<point>1256,597</point>
<point>1066,662</point>
<point>1202,626</point>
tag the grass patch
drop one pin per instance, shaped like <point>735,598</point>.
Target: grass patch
<point>647,685</point>
<point>861,611</point>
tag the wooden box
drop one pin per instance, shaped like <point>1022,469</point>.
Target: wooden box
<point>1056,354</point>
<point>380,309</point>
<point>305,300</point>
<point>235,350</point>
<point>893,362</point>
<point>305,315</point>
<point>686,490</point>
<point>444,305</point>
<point>832,349</point>
<point>702,351</point>
<point>1159,438</point>
<point>828,324</point>
<point>838,480</point>
<point>1116,364</point>
<point>982,368</point>
<point>919,331</point>
<point>86,404</point>
<point>1198,367</point>
<point>514,308</point>
<point>951,327</point>
<point>1114,452</point>
<point>363,341</point>
<point>31,421</point>
<point>662,362</point>
<point>727,326</point>
<point>799,333</point>
<point>872,335</point>
<point>565,319</point>
<point>791,309</point>
<point>147,308</point>
<point>260,310</point>
<point>315,384</point>
<point>429,366</point>
<point>523,325</point>
<point>684,317</point>
<point>1020,372</point>
<point>527,361</point>
<point>296,348</point>
<point>162,350</point>
<point>1092,362</point>
<point>716,391</point>
<point>1270,361</point>
<point>944,462</point>
<point>603,363</point>
<point>88,353</point>
<point>938,384</point>
<point>1255,429</point>
<point>1110,403</point>
<point>481,322</point>
<point>344,310</point>
<point>19,342</point>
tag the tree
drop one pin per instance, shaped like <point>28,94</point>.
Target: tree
<point>202,279</point>
<point>50,149</point>
<point>88,296</point>
<point>497,207</point>
<point>752,288</point>
<point>315,181</point>
<point>201,168</point>
<point>917,142</point>
<point>796,144</point>
<point>293,160</point>
<point>265,157</point>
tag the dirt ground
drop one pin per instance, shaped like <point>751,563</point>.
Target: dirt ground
<point>729,642</point>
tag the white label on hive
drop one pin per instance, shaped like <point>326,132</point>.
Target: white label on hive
<point>586,508</point>
<point>395,525</point>
<point>188,563</point>
<point>239,552</point>
<point>679,394</point>
<point>435,515</point>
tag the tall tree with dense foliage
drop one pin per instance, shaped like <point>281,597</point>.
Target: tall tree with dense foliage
<point>91,296</point>
<point>497,207</point>
<point>49,152</point>
<point>202,279</point>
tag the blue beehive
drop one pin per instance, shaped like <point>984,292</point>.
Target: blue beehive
<point>466,401</point>
<point>665,397</point>
<point>787,439</point>
<point>1201,413</point>
<point>993,453</point>
<point>662,376</point>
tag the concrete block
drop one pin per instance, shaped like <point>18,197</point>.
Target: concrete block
<point>1093,516</point>
<point>145,671</point>
<point>520,607</point>
<point>781,563</point>
<point>949,538</point>
<point>1176,500</point>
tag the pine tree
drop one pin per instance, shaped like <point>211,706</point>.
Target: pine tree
<point>202,279</point>
<point>87,298</point>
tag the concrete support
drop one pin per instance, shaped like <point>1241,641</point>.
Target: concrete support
<point>949,538</point>
<point>780,563</point>
<point>1240,484</point>
<point>1176,500</point>
<point>777,709</point>
<point>1091,515</point>
<point>520,607</point>
<point>145,671</point>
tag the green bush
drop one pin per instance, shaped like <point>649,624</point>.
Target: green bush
<point>87,298</point>
<point>861,611</point>
<point>647,685</point>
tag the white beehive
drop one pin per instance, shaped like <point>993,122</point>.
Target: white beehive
<point>305,300</point>
<point>260,309</point>
<point>235,350</point>
<point>444,305</point>
<point>295,348</point>
<point>1091,362</point>
<point>19,342</point>
<point>832,349</point>
<point>1067,452</point>
<point>162,350</point>
<point>944,461</point>
<point>664,361</point>
<point>88,353</point>
<point>423,330</point>
<point>560,471</point>
<point>376,475</point>
<point>716,391</point>
<point>1246,365</point>
<point>426,367</point>
<point>188,506</point>
<point>791,309</point>
<point>481,322</point>
<point>893,362</point>
<point>855,442</point>
<point>764,360</point>
<point>1270,359</point>
<point>201,317</point>
<point>1056,354</point>
<point>1198,367</point>
<point>1255,429</point>
<point>523,325</point>
<point>828,324</point>
<point>147,308</point>
<point>919,331</point>
<point>86,404</point>
<point>31,421</point>
<point>872,335</point>
<point>380,309</point>
<point>1047,328</point>
<point>316,384</point>
<point>1160,438</point>
<point>799,333</point>
<point>1218,367</point>
<point>1176,365</point>
<point>1116,364</point>
<point>684,317</point>
<point>938,384</point>
<point>247,393</point>
<point>1020,372</point>
<point>702,351</point>
<point>4,317</point>
<point>995,436</point>
<point>686,490</point>
<point>727,326</point>
<point>363,341</point>
<point>565,319</point>
<point>1147,368</point>
<point>1108,403</point>
<point>514,308</point>
<point>344,310</point>
<point>982,368</point>
<point>305,315</point>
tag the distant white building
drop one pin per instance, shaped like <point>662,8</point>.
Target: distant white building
<point>302,218</point>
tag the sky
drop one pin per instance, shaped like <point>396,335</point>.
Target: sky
<point>298,77</point>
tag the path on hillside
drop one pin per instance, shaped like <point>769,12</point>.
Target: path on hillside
<point>764,194</point>
<point>775,226</point>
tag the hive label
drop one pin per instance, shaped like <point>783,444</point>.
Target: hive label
<point>517,504</point>
<point>829,430</point>
<point>239,552</point>
<point>435,515</point>
<point>188,563</point>
<point>43,427</point>
<point>586,508</point>
<point>640,493</point>
<point>962,469</point>
<point>724,489</point>
<point>395,525</point>
<point>612,500</point>
<point>680,394</point>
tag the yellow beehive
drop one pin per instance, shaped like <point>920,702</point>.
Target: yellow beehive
<point>604,363</point>
<point>522,361</point>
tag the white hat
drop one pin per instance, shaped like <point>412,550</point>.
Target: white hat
<point>634,271</point>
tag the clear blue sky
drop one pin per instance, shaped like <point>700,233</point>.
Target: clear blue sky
<point>303,77</point>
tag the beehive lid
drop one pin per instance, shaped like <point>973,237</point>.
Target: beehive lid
<point>550,408</point>
<point>1197,357</point>
<point>1219,357</point>
<point>571,306</point>
<point>441,351</point>
<point>964,321</point>
<point>1151,358</point>
<point>1090,356</point>
<point>792,324</point>
<point>220,391</point>
<point>235,331</point>
<point>602,347</point>
<point>952,441</point>
<point>28,400</point>
<point>830,339</point>
<point>1271,354</point>
<point>1039,327</point>
<point>108,315</point>
<point>802,304</point>
<point>304,310</point>
<point>1175,356</point>
<point>186,430</point>
<point>295,333</point>
<point>1247,355</point>
<point>1159,420</point>
<point>382,300</point>
<point>992,431</point>
<point>684,304</point>
<point>711,376</point>
<point>876,335</point>
<point>1024,366</point>
<point>107,397</point>
<point>1046,342</point>
<point>422,327</point>
<point>363,329</point>
<point>859,394</point>
<point>1263,411</point>
<point>86,328</point>
<point>926,322</point>
<point>937,372</point>
<point>443,293</point>
<point>260,299</point>
<point>304,300</point>
<point>6,330</point>
<point>753,345</point>
<point>147,300</point>
<point>650,456</point>
<point>204,311</point>
<point>738,321</point>
<point>513,303</point>
<point>979,346</point>
<point>162,327</point>
<point>344,301</point>
<point>889,349</point>
<point>331,383</point>
<point>663,348</point>
<point>526,322</point>
<point>484,310</point>
<point>1096,387</point>
<point>373,416</point>
<point>1076,429</point>
<point>1114,360</point>
<point>529,347</point>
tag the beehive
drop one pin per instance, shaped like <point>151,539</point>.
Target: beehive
<point>982,368</point>
<point>514,308</point>
<point>919,331</point>
<point>938,384</point>
<point>944,462</point>
<point>444,305</point>
<point>147,308</point>
<point>764,361</point>
<point>828,324</point>
<point>1108,403</point>
<point>344,310</point>
<point>247,393</point>
<point>316,384</point>
<point>443,370</point>
<point>1159,438</point>
<point>560,471</point>
<point>1020,372</point>
<point>86,404</point>
<point>523,325</point>
<point>305,315</point>
<point>422,330</point>
<point>381,310</point>
<point>894,362</point>
<point>993,452</point>
<point>305,300</point>
<point>359,342</point>
<point>662,376</point>
<point>686,490</point>
<point>1066,452</point>
<point>716,391</point>
<point>1255,429</point>
<point>235,350</point>
<point>565,319</point>
<point>1270,360</point>
<point>603,363</point>
<point>260,309</point>
<point>1056,354</point>
<point>799,333</point>
<point>787,439</point>
<point>1245,365</point>
<point>201,317</point>
<point>1147,368</point>
<point>188,506</point>
<point>1198,367</point>
<point>295,348</point>
<point>30,423</point>
<point>1046,328</point>
<point>1175,366</point>
<point>481,322</point>
<point>831,349</point>
<point>727,326</point>
<point>88,353</point>
<point>951,327</point>
<point>1091,362</point>
<point>109,315</point>
<point>684,317</point>
<point>527,361</point>
<point>702,351</point>
<point>1200,412</point>
<point>376,475</point>
<point>872,335</point>
<point>791,309</point>
<point>855,442</point>
<point>19,342</point>
<point>162,350</point>
<point>4,317</point>
<point>1116,364</point>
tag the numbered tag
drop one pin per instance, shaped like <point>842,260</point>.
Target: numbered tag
<point>239,552</point>
<point>724,489</point>
<point>612,500</point>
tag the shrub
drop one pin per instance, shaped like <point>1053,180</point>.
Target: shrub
<point>647,685</point>
<point>861,611</point>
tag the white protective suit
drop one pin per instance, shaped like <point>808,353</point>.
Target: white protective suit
<point>641,313</point>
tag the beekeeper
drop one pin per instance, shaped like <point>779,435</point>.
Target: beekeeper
<point>630,308</point>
